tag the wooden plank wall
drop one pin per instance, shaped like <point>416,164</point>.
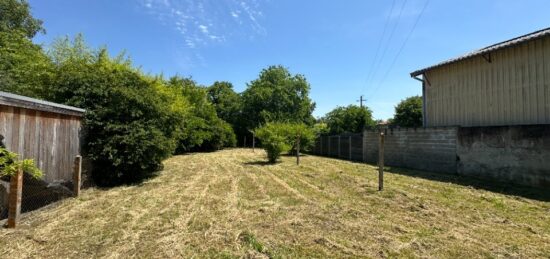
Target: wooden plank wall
<point>51,139</point>
<point>512,89</point>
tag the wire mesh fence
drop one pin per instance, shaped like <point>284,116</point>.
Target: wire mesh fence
<point>344,146</point>
<point>26,193</point>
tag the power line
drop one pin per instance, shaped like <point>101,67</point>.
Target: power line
<point>379,62</point>
<point>401,48</point>
<point>379,45</point>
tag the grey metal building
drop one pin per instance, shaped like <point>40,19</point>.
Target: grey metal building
<point>507,83</point>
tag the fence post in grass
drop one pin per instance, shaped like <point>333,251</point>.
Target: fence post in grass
<point>298,150</point>
<point>349,144</point>
<point>77,175</point>
<point>244,142</point>
<point>381,162</point>
<point>14,198</point>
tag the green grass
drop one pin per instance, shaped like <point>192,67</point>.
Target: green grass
<point>228,204</point>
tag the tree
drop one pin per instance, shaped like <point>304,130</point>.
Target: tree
<point>278,137</point>
<point>24,68</point>
<point>277,96</point>
<point>228,105</point>
<point>129,128</point>
<point>15,15</point>
<point>352,119</point>
<point>204,130</point>
<point>408,113</point>
<point>226,101</point>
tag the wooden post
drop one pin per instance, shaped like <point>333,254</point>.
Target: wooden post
<point>381,162</point>
<point>349,144</point>
<point>244,142</point>
<point>298,150</point>
<point>77,175</point>
<point>14,198</point>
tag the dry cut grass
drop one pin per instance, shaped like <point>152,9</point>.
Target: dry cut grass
<point>229,204</point>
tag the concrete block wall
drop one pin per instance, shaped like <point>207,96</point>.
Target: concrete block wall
<point>514,154</point>
<point>429,149</point>
<point>517,154</point>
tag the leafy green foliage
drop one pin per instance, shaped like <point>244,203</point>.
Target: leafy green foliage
<point>129,127</point>
<point>320,128</point>
<point>226,101</point>
<point>278,137</point>
<point>352,119</point>
<point>276,96</point>
<point>203,130</point>
<point>15,15</point>
<point>24,68</point>
<point>274,140</point>
<point>408,113</point>
<point>10,164</point>
<point>228,106</point>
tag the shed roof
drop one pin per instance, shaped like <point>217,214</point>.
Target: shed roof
<point>504,44</point>
<point>14,100</point>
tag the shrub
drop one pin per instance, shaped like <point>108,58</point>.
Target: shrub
<point>129,127</point>
<point>10,164</point>
<point>274,140</point>
<point>203,129</point>
<point>277,138</point>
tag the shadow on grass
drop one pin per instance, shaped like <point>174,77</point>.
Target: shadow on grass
<point>489,185</point>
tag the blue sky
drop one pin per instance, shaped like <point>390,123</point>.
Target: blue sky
<point>336,44</point>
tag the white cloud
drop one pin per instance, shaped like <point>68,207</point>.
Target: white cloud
<point>204,22</point>
<point>203,28</point>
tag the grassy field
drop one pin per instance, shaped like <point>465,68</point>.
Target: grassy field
<point>231,204</point>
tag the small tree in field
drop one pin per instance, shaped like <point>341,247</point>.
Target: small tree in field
<point>277,138</point>
<point>274,141</point>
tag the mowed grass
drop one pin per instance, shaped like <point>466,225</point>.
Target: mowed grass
<point>230,204</point>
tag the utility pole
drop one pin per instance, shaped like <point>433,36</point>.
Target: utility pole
<point>361,100</point>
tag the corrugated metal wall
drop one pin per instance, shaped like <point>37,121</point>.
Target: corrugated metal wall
<point>51,139</point>
<point>512,89</point>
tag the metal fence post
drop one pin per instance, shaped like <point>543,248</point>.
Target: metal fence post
<point>77,175</point>
<point>364,146</point>
<point>321,144</point>
<point>381,162</point>
<point>328,151</point>
<point>14,198</point>
<point>339,146</point>
<point>349,144</point>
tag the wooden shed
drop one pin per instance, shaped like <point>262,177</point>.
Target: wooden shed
<point>507,83</point>
<point>47,132</point>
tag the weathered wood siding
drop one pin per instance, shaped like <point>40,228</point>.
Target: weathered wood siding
<point>512,89</point>
<point>51,139</point>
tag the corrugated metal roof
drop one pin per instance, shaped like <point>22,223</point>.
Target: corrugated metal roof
<point>36,104</point>
<point>504,44</point>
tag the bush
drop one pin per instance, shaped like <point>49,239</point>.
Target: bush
<point>203,129</point>
<point>129,126</point>
<point>274,140</point>
<point>277,138</point>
